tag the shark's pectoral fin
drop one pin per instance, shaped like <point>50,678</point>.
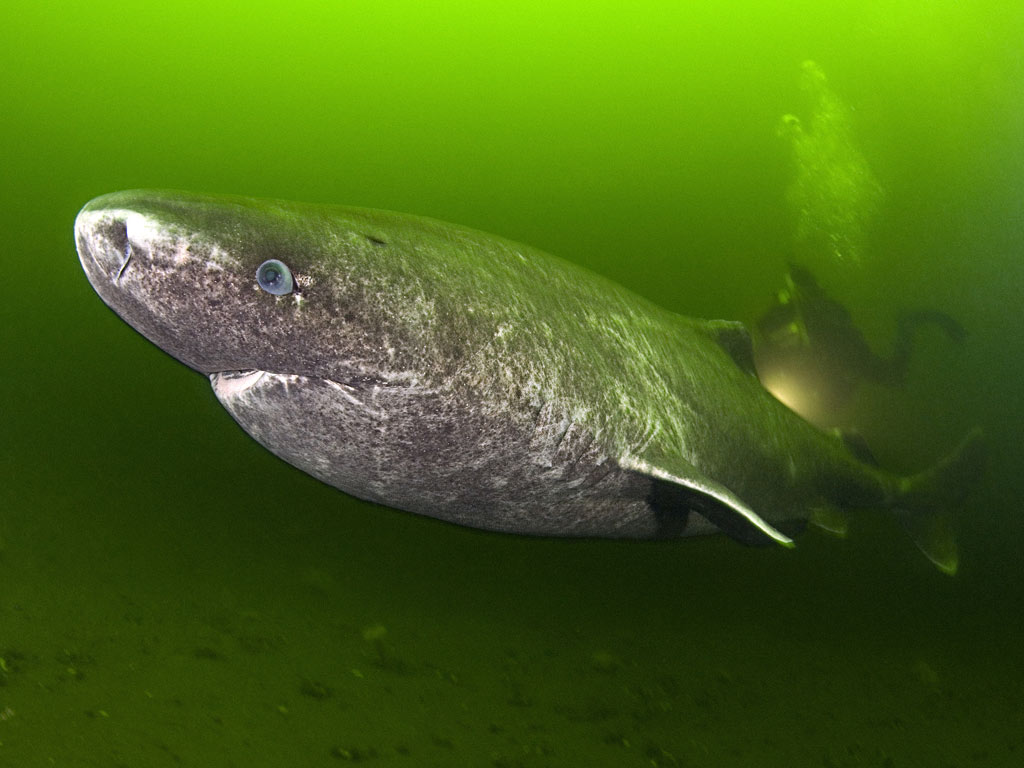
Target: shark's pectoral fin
<point>680,488</point>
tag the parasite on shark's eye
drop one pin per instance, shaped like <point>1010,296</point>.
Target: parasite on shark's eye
<point>274,277</point>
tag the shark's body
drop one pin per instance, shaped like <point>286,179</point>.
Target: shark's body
<point>456,374</point>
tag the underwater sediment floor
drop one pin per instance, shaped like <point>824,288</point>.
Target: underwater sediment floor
<point>266,637</point>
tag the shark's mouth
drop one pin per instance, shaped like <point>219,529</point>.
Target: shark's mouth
<point>228,384</point>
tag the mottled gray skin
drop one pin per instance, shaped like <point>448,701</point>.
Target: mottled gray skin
<point>452,373</point>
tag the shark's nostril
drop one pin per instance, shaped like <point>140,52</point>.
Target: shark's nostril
<point>116,232</point>
<point>124,264</point>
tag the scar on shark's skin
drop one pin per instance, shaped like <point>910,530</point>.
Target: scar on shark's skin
<point>456,374</point>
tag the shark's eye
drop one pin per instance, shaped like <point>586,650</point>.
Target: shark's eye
<point>275,277</point>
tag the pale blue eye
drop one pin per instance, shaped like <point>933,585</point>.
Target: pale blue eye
<point>275,277</point>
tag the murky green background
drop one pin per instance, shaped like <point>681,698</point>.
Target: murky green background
<point>172,594</point>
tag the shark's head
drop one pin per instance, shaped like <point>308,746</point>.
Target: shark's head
<point>231,285</point>
<point>315,324</point>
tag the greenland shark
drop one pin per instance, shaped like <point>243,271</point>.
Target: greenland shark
<point>451,373</point>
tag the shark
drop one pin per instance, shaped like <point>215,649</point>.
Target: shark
<point>444,371</point>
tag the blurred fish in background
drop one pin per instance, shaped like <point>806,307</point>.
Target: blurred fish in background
<point>812,357</point>
<point>808,352</point>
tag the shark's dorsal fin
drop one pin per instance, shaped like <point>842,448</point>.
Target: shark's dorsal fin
<point>856,445</point>
<point>680,488</point>
<point>734,338</point>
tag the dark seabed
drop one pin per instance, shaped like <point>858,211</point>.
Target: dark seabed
<point>173,594</point>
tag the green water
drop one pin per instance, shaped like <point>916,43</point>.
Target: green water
<point>172,594</point>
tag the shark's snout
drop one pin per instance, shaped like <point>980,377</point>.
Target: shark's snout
<point>192,278</point>
<point>102,241</point>
<point>140,265</point>
<point>104,238</point>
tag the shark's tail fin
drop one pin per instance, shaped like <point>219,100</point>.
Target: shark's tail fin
<point>926,500</point>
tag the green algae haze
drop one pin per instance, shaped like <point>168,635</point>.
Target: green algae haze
<point>173,593</point>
